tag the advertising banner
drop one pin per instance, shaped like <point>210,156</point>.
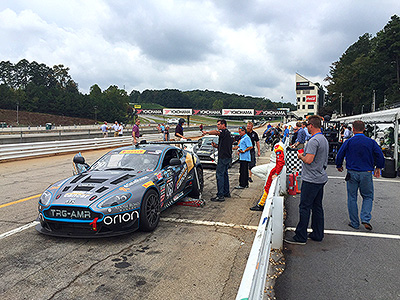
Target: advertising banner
<point>311,98</point>
<point>238,112</point>
<point>270,113</point>
<point>149,111</point>
<point>177,111</point>
<point>207,112</point>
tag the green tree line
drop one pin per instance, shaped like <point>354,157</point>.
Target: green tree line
<point>36,87</point>
<point>369,66</point>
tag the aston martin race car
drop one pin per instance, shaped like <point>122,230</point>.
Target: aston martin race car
<point>124,190</point>
<point>207,153</point>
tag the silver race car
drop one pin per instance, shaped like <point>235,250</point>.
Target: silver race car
<point>124,190</point>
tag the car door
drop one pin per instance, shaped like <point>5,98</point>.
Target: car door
<point>173,176</point>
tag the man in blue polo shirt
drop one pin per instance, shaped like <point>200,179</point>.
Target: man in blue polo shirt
<point>245,145</point>
<point>362,155</point>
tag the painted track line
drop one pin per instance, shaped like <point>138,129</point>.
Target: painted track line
<point>19,201</point>
<point>353,233</point>
<point>209,223</point>
<point>375,179</point>
<point>19,229</point>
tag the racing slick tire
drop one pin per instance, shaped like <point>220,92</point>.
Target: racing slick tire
<point>150,211</point>
<point>197,190</point>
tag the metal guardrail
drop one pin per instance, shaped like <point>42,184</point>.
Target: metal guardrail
<point>269,236</point>
<point>26,150</point>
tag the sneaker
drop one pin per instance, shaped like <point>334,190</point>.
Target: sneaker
<point>250,180</point>
<point>352,226</point>
<point>367,225</point>
<point>257,207</point>
<point>227,196</point>
<point>218,199</point>
<point>291,240</point>
<point>239,187</point>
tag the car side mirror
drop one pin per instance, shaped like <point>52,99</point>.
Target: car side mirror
<point>199,142</point>
<point>235,143</point>
<point>175,162</point>
<point>79,159</point>
<point>79,164</point>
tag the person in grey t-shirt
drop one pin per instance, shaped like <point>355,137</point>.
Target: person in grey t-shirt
<point>314,177</point>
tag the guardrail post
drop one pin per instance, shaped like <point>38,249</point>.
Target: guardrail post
<point>277,222</point>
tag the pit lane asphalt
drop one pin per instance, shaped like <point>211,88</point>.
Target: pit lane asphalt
<point>176,261</point>
<point>345,266</point>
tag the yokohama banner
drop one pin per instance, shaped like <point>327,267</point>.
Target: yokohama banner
<point>177,111</point>
<point>213,112</point>
<point>270,113</point>
<point>207,112</point>
<point>238,112</point>
<point>149,111</point>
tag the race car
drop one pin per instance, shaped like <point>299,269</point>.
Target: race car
<point>207,153</point>
<point>124,190</point>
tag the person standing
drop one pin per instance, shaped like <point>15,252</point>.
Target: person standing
<point>364,158</point>
<point>120,130</point>
<point>301,136</point>
<point>314,162</point>
<point>104,129</point>
<point>135,132</point>
<point>245,145</point>
<point>166,133</point>
<point>255,140</point>
<point>347,133</point>
<point>285,134</point>
<point>179,129</point>
<point>224,159</point>
<point>115,127</point>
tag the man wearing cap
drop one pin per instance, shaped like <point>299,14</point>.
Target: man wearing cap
<point>245,145</point>
<point>179,129</point>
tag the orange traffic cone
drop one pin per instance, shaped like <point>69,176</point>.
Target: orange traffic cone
<point>297,184</point>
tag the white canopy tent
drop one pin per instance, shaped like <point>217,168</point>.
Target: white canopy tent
<point>379,117</point>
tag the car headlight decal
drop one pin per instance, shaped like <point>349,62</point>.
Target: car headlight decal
<point>45,198</point>
<point>115,200</point>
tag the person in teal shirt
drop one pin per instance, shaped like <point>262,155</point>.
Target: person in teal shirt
<point>245,145</point>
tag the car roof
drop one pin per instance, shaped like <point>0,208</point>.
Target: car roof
<point>149,147</point>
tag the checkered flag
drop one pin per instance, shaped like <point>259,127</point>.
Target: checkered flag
<point>293,164</point>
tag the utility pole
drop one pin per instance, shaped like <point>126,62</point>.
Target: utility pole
<point>373,101</point>
<point>362,109</point>
<point>17,112</point>
<point>341,104</point>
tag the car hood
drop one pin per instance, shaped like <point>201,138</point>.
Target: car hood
<point>206,149</point>
<point>90,187</point>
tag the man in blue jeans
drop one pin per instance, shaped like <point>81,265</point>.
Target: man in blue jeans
<point>362,155</point>
<point>313,177</point>
<point>224,160</point>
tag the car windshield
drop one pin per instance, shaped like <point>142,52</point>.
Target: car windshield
<point>207,140</point>
<point>128,160</point>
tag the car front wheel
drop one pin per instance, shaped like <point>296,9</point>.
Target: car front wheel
<point>150,211</point>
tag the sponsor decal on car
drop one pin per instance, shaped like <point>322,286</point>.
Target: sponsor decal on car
<point>141,151</point>
<point>148,184</point>
<point>121,218</point>
<point>81,195</point>
<point>126,185</point>
<point>71,214</point>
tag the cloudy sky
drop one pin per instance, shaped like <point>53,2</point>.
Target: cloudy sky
<point>246,47</point>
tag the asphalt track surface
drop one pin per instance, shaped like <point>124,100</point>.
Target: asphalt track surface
<point>348,263</point>
<point>181,259</point>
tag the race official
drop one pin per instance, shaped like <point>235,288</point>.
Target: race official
<point>255,140</point>
<point>179,129</point>
<point>244,147</point>
<point>135,132</point>
<point>364,158</point>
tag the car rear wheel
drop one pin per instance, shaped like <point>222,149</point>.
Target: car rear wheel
<point>198,183</point>
<point>150,211</point>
